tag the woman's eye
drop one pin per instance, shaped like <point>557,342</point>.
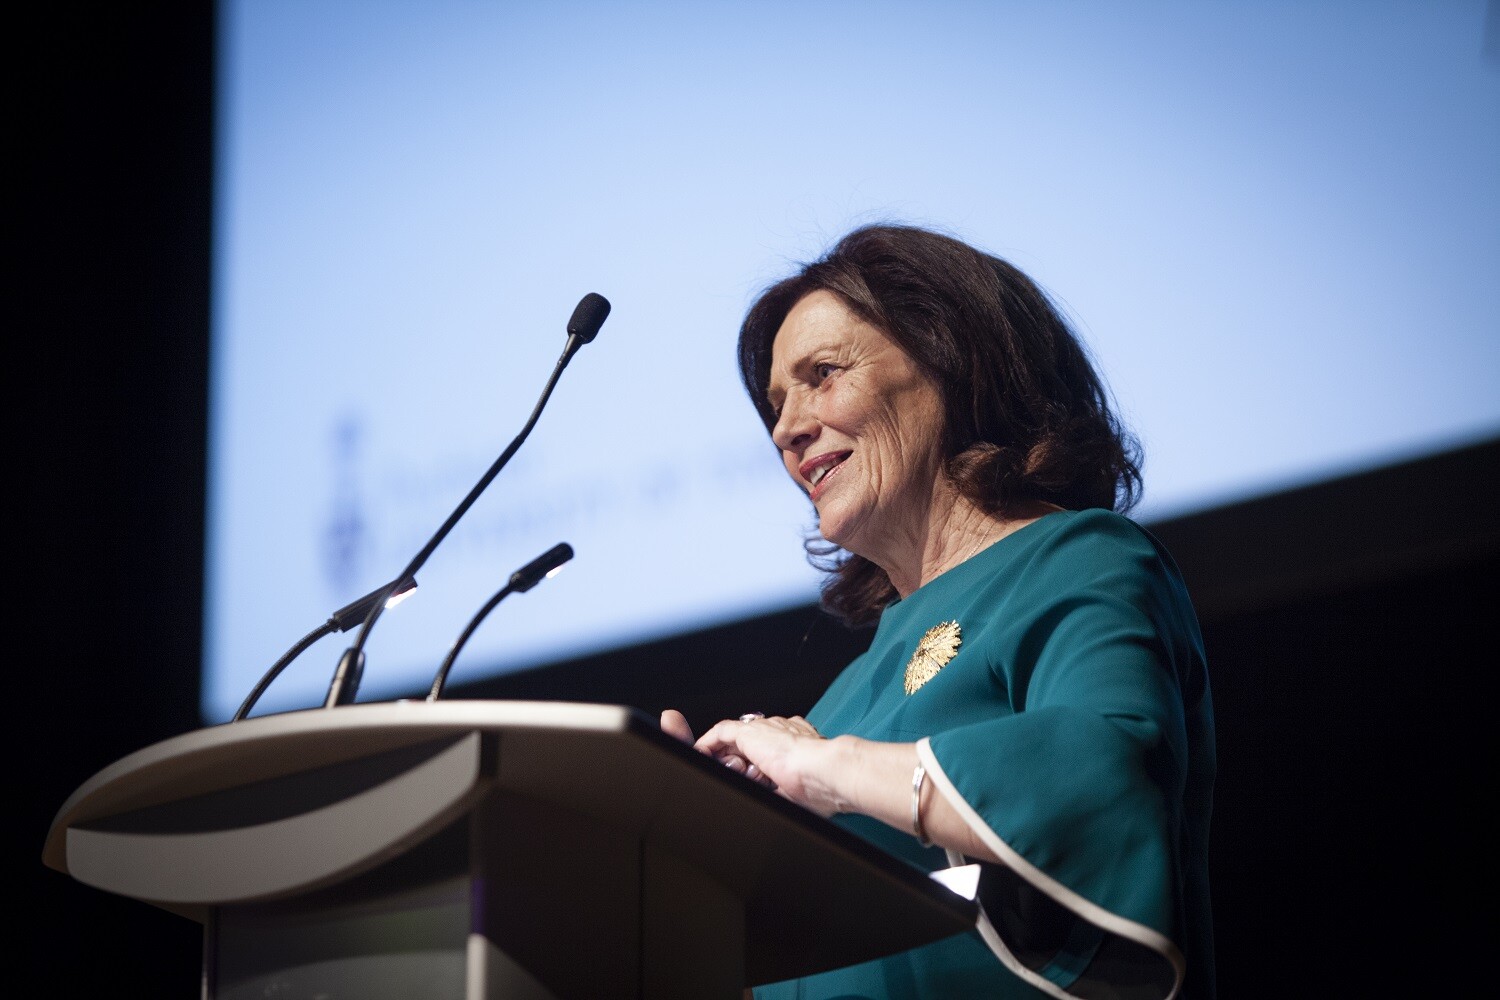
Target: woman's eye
<point>824,369</point>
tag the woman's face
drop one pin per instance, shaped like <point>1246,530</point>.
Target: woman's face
<point>859,427</point>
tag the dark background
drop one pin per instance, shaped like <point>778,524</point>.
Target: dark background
<point>1349,624</point>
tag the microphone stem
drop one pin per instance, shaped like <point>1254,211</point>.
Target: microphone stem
<point>442,675</point>
<point>355,652</point>
<point>280,665</point>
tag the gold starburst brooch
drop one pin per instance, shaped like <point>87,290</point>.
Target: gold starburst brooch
<point>937,647</point>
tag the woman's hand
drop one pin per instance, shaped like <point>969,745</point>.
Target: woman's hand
<point>840,775</point>
<point>674,723</point>
<point>786,755</point>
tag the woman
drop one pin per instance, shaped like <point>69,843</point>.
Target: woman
<point>1035,696</point>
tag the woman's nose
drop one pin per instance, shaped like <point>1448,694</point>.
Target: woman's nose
<point>795,425</point>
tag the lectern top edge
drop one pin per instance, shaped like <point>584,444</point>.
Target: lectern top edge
<point>265,747</point>
<point>130,782</point>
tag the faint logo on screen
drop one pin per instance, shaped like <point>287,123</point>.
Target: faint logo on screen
<point>346,534</point>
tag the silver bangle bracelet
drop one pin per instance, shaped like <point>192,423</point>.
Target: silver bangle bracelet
<point>917,778</point>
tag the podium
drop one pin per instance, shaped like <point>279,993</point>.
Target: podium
<point>485,849</point>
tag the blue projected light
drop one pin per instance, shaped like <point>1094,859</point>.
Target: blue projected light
<point>1277,227</point>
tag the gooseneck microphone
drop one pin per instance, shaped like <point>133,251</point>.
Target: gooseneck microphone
<point>521,580</point>
<point>588,316</point>
<point>341,620</point>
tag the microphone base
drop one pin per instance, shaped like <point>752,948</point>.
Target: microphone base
<point>346,678</point>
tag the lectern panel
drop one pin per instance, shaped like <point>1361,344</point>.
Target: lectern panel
<point>399,932</point>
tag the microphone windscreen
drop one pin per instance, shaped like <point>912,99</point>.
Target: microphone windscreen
<point>588,317</point>
<point>532,573</point>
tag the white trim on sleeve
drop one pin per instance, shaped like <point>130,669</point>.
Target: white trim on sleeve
<point>1092,912</point>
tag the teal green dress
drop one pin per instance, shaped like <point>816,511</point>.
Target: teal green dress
<point>1073,730</point>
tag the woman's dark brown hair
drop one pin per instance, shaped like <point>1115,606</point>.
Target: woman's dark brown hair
<point>1026,416</point>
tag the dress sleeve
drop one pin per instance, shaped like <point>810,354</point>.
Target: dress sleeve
<point>1080,792</point>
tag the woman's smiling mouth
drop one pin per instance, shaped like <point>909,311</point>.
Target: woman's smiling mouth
<point>815,471</point>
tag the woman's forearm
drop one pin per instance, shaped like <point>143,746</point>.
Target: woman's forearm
<point>854,775</point>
